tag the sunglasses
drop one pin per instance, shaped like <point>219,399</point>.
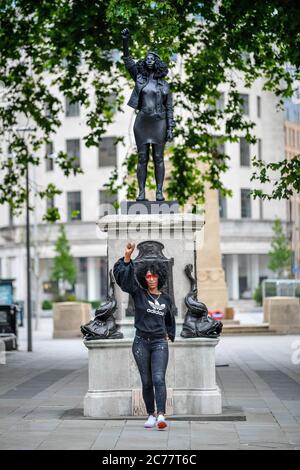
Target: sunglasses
<point>151,276</point>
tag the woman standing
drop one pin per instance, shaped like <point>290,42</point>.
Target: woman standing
<point>154,122</point>
<point>155,324</point>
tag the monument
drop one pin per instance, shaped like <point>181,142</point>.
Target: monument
<point>165,234</point>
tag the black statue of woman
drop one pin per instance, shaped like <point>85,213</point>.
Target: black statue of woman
<point>154,121</point>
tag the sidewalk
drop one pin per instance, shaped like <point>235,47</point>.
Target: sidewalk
<point>41,399</point>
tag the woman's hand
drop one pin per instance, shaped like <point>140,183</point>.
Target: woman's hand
<point>169,135</point>
<point>125,33</point>
<point>128,251</point>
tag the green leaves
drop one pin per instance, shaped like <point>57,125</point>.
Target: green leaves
<point>73,46</point>
<point>64,268</point>
<point>280,254</point>
<point>285,176</point>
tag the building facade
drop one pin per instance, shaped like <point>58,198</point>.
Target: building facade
<point>246,224</point>
<point>292,149</point>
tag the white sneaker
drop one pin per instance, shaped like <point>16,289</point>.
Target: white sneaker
<point>161,422</point>
<point>150,423</point>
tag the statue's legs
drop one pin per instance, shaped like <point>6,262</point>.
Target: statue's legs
<point>142,165</point>
<point>159,167</point>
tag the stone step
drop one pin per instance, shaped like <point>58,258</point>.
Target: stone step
<point>247,329</point>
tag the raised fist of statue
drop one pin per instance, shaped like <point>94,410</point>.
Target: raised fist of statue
<point>125,33</point>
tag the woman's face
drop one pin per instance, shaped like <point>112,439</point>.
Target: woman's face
<point>152,280</point>
<point>150,61</point>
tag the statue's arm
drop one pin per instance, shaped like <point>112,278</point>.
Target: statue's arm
<point>128,60</point>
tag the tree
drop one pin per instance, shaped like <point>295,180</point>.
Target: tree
<point>77,44</point>
<point>281,254</point>
<point>64,269</point>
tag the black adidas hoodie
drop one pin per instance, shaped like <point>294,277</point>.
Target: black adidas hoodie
<point>155,320</point>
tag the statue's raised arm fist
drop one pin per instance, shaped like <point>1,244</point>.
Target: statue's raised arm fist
<point>125,33</point>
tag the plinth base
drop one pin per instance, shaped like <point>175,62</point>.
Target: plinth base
<point>190,375</point>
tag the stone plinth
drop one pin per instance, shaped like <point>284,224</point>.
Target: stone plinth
<point>282,314</point>
<point>114,377</point>
<point>68,317</point>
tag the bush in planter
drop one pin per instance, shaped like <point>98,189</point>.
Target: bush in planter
<point>47,304</point>
<point>257,295</point>
<point>71,298</point>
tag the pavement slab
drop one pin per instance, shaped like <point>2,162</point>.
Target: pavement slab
<point>41,400</point>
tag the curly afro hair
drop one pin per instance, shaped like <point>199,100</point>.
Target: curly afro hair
<point>155,267</point>
<point>160,68</point>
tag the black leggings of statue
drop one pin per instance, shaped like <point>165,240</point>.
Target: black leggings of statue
<point>154,122</point>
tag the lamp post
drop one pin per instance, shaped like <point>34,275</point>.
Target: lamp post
<point>28,260</point>
<point>28,266</point>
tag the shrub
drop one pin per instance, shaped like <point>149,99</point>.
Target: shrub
<point>257,295</point>
<point>47,305</point>
<point>71,298</point>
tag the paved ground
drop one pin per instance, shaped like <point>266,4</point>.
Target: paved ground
<point>39,391</point>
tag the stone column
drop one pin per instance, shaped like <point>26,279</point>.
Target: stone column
<point>235,276</point>
<point>254,272</point>
<point>212,289</point>
<point>91,278</point>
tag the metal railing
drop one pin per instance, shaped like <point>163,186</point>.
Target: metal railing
<point>280,288</point>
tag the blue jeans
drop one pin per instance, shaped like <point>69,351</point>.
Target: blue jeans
<point>151,356</point>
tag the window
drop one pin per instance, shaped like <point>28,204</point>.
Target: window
<point>245,103</point>
<point>222,206</point>
<point>245,203</point>
<point>220,102</point>
<point>259,149</point>
<point>49,157</point>
<point>81,286</point>
<point>48,111</point>
<point>50,203</point>
<point>220,146</point>
<point>106,201</point>
<point>72,108</point>
<point>73,150</point>
<point>73,205</point>
<point>258,101</point>
<point>108,152</point>
<point>244,152</point>
<point>111,101</point>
